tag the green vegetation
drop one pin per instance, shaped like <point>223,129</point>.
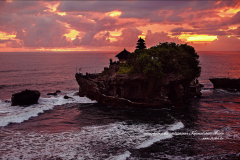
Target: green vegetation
<point>163,59</point>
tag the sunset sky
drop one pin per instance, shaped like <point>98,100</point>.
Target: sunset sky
<point>113,25</point>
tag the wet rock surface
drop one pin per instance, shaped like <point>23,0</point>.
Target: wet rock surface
<point>111,88</point>
<point>52,94</point>
<point>55,93</point>
<point>67,97</point>
<point>226,83</point>
<point>26,97</point>
<point>130,90</point>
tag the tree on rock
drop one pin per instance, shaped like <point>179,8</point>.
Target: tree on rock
<point>141,44</point>
<point>164,59</point>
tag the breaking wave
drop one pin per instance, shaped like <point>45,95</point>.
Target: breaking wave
<point>18,114</point>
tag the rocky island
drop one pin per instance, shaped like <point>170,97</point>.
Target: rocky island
<point>226,83</point>
<point>161,76</point>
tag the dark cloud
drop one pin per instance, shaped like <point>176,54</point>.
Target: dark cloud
<point>206,14</point>
<point>217,23</point>
<point>105,24</point>
<point>76,41</point>
<point>24,6</point>
<point>235,19</point>
<point>210,5</point>
<point>135,6</point>
<point>5,23</point>
<point>102,41</point>
<point>223,43</point>
<point>46,32</point>
<point>138,15</point>
<point>174,18</point>
<point>157,19</point>
<point>4,41</point>
<point>90,6</point>
<point>235,32</point>
<point>139,9</point>
<point>15,44</point>
<point>2,5</point>
<point>128,38</point>
<point>207,31</point>
<point>155,38</point>
<point>36,11</point>
<point>78,23</point>
<point>87,39</point>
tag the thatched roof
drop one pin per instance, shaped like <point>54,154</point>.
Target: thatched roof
<point>123,54</point>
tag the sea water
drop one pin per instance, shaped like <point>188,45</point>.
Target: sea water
<point>80,128</point>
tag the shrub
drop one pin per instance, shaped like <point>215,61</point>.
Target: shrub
<point>163,59</point>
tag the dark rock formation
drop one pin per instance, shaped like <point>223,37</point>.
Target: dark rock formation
<point>67,97</point>
<point>26,97</point>
<point>55,93</point>
<point>131,90</point>
<point>7,101</point>
<point>135,90</point>
<point>226,83</point>
<point>75,94</point>
<point>52,94</point>
<point>58,91</point>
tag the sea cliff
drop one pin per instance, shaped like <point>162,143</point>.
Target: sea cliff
<point>133,90</point>
<point>161,76</point>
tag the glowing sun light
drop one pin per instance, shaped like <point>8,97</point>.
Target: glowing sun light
<point>114,13</point>
<point>202,38</point>
<point>73,33</point>
<point>61,13</point>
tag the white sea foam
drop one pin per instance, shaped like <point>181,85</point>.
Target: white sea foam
<point>158,136</point>
<point>18,114</point>
<point>227,92</point>
<point>123,156</point>
<point>206,90</point>
<point>175,126</point>
<point>153,140</point>
<point>91,142</point>
<point>110,141</point>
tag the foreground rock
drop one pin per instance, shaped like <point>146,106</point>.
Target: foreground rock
<point>226,83</point>
<point>55,93</point>
<point>58,91</point>
<point>52,94</point>
<point>67,97</point>
<point>26,97</point>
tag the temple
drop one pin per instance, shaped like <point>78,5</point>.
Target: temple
<point>122,56</point>
<point>141,44</point>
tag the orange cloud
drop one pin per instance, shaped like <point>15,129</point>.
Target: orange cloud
<point>107,25</point>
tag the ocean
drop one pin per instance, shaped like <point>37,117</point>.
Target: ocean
<point>80,128</point>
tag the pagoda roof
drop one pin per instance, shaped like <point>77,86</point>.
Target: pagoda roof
<point>123,54</point>
<point>141,40</point>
